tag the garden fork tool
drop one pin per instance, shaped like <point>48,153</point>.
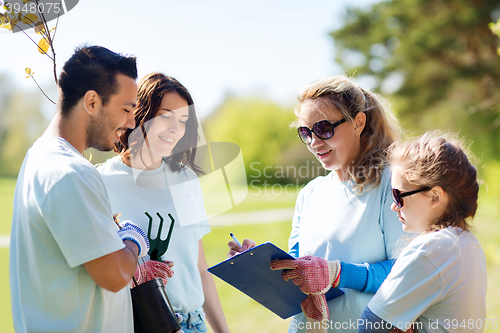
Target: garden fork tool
<point>158,246</point>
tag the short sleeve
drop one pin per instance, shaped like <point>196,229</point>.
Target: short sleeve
<point>413,285</point>
<point>78,214</point>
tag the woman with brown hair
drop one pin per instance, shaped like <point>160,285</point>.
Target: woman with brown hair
<point>155,173</point>
<point>343,231</point>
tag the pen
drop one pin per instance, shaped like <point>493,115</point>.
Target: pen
<point>235,239</point>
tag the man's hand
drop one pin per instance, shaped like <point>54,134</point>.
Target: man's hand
<point>129,230</point>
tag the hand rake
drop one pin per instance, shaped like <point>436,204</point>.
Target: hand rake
<point>158,246</point>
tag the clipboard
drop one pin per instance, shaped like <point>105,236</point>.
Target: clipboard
<point>250,273</point>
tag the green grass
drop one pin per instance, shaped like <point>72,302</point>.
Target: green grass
<point>242,313</point>
<point>262,199</point>
<point>7,186</point>
<point>6,325</point>
<point>487,230</point>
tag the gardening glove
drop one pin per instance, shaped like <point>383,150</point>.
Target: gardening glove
<point>153,269</point>
<point>314,276</point>
<point>129,230</point>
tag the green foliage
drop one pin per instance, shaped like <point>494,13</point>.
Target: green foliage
<point>22,123</point>
<point>444,56</point>
<point>255,317</point>
<point>495,28</point>
<point>261,129</point>
<point>6,325</point>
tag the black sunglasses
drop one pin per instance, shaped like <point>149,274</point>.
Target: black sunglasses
<point>323,129</point>
<point>397,196</point>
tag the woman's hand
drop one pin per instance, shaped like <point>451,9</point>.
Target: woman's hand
<point>153,269</point>
<point>235,249</point>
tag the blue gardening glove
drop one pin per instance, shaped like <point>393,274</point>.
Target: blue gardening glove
<point>132,232</point>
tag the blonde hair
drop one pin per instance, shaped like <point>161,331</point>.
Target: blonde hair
<point>380,130</point>
<point>437,159</point>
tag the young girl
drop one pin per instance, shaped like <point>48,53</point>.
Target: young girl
<point>343,231</point>
<point>155,172</point>
<point>439,281</point>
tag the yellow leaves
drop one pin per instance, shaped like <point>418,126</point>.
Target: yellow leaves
<point>4,18</point>
<point>13,23</point>
<point>495,28</point>
<point>43,46</point>
<point>29,19</point>
<point>115,217</point>
<point>26,1</point>
<point>40,28</point>
<point>29,72</point>
<point>6,26</point>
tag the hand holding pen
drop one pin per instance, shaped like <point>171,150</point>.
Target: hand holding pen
<point>235,247</point>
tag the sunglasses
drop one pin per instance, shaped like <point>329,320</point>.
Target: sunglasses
<point>323,129</point>
<point>397,196</point>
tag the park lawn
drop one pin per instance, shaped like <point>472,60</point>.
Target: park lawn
<point>6,325</point>
<point>7,186</point>
<point>242,313</point>
<point>487,230</point>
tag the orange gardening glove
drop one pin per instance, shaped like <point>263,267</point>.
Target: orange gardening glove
<point>314,276</point>
<point>153,269</point>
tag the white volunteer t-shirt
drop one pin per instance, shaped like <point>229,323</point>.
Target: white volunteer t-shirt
<point>331,221</point>
<point>440,281</point>
<point>133,192</point>
<point>62,219</point>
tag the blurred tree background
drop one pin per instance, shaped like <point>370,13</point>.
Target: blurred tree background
<point>438,61</point>
<point>271,149</point>
<point>21,123</point>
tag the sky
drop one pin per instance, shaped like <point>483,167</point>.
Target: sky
<point>271,48</point>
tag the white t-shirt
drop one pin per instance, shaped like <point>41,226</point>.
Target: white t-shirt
<point>62,219</point>
<point>334,223</point>
<point>133,192</point>
<point>440,278</point>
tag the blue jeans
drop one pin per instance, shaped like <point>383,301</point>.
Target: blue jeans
<point>193,322</point>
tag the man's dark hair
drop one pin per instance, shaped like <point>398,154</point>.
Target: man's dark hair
<point>93,68</point>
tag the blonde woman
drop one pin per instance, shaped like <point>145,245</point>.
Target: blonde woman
<point>343,231</point>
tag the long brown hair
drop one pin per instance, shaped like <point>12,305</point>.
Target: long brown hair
<point>152,88</point>
<point>440,160</point>
<point>380,130</point>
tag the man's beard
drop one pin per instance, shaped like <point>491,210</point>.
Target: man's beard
<point>97,133</point>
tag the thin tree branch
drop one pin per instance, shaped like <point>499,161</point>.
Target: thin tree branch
<point>48,38</point>
<point>42,90</point>
<point>37,45</point>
